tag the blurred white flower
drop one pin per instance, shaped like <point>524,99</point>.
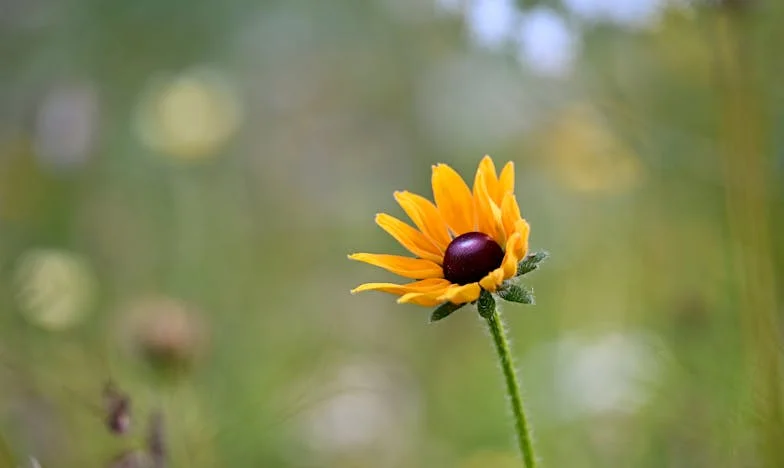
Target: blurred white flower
<point>370,410</point>
<point>55,288</point>
<point>546,43</point>
<point>65,126</point>
<point>615,373</point>
<point>491,23</point>
<point>189,116</point>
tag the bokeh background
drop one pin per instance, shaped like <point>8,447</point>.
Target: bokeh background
<point>180,183</point>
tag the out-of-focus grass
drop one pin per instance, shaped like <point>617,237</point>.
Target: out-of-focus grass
<point>180,183</point>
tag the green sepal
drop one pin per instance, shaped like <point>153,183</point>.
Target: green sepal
<point>486,304</point>
<point>443,311</point>
<point>516,293</point>
<point>531,262</point>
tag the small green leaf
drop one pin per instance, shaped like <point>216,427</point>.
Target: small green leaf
<point>443,311</point>
<point>531,262</point>
<point>519,294</point>
<point>486,304</point>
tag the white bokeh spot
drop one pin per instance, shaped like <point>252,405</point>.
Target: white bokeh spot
<point>491,23</point>
<point>546,43</point>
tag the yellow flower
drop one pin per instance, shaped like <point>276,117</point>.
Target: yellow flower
<point>469,240</point>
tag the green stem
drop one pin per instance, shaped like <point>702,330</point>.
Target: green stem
<point>522,428</point>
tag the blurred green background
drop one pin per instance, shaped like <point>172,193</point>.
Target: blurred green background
<point>180,183</point>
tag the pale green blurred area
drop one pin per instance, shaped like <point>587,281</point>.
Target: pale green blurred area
<point>192,174</point>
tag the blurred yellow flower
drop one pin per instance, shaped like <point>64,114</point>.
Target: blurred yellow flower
<point>189,116</point>
<point>55,288</point>
<point>586,156</point>
<point>466,242</point>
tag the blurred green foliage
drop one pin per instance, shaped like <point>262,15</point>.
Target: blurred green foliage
<point>180,183</point>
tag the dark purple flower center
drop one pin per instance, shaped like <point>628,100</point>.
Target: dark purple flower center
<point>470,257</point>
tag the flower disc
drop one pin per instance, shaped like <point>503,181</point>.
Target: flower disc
<point>470,257</point>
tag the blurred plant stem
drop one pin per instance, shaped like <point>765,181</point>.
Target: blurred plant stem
<point>186,422</point>
<point>501,342</point>
<point>746,162</point>
<point>6,456</point>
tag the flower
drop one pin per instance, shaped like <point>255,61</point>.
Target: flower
<point>467,242</point>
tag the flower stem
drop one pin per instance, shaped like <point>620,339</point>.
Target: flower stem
<point>522,428</point>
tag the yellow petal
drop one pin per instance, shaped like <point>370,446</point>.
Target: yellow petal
<point>430,284</point>
<point>426,217</point>
<point>453,199</point>
<point>410,238</point>
<point>423,299</point>
<point>488,215</point>
<point>510,213</point>
<point>415,268</point>
<point>460,294</point>
<point>493,280</point>
<point>511,257</point>
<point>484,221</point>
<point>487,171</point>
<point>522,227</point>
<point>506,182</point>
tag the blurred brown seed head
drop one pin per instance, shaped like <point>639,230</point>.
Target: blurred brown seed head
<point>167,333</point>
